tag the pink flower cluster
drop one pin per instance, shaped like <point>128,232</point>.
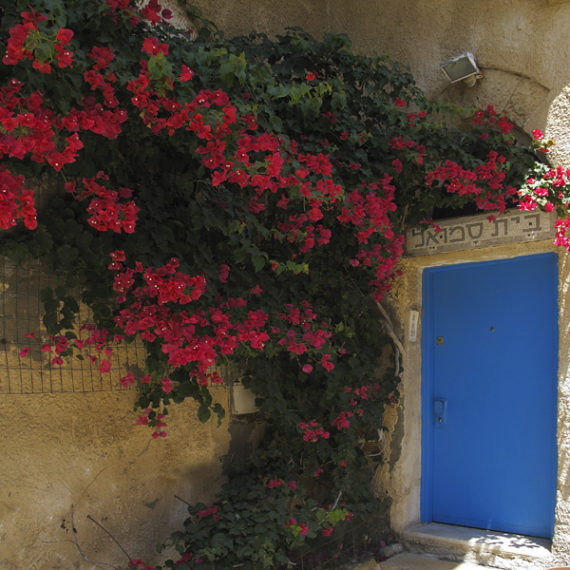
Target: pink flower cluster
<point>303,333</point>
<point>368,210</point>
<point>16,201</point>
<point>273,483</point>
<point>545,191</point>
<point>490,118</point>
<point>484,184</point>
<point>104,209</point>
<point>312,431</point>
<point>562,227</point>
<point>273,181</point>
<point>299,527</point>
<point>30,129</point>
<point>200,337</point>
<point>25,38</point>
<point>60,345</point>
<point>211,511</point>
<point>358,395</point>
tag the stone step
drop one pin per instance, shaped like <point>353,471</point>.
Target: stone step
<point>486,548</point>
<point>411,561</point>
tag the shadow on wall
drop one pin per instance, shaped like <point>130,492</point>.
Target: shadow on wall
<point>70,438</point>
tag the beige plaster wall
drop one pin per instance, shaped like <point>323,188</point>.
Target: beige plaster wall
<point>84,450</point>
<point>70,439</point>
<point>522,46</point>
<point>561,541</point>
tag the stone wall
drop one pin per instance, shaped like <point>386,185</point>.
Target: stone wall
<point>82,449</point>
<point>522,47</point>
<point>71,449</point>
<point>82,452</point>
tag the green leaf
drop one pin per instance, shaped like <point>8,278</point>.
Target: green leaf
<point>159,67</point>
<point>233,68</point>
<point>204,413</point>
<point>259,261</point>
<point>276,123</point>
<point>44,52</point>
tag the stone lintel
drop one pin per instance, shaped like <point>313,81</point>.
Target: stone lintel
<point>482,230</point>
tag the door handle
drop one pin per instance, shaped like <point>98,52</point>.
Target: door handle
<point>440,411</point>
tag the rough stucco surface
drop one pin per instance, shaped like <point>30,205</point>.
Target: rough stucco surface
<point>561,541</point>
<point>84,450</point>
<point>518,37</point>
<point>522,46</point>
<point>71,439</point>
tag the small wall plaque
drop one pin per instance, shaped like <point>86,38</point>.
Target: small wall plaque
<point>478,231</point>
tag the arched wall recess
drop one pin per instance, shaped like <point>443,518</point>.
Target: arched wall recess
<point>524,99</point>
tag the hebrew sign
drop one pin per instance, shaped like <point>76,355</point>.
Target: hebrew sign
<point>478,231</point>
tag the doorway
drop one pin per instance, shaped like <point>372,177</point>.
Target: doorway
<point>489,393</point>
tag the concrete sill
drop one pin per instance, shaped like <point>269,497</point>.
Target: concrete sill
<point>498,549</point>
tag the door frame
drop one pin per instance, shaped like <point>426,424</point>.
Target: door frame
<point>399,478</point>
<point>428,380</point>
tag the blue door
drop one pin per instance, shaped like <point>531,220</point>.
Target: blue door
<point>489,383</point>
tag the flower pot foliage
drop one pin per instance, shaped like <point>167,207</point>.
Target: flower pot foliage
<point>238,201</point>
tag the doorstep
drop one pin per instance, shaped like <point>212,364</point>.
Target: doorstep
<point>410,561</point>
<point>486,548</point>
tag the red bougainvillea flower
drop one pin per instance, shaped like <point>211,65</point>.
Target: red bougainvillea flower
<point>186,74</point>
<point>166,384</point>
<point>127,380</point>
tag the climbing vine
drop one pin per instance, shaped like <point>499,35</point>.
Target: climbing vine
<point>238,201</point>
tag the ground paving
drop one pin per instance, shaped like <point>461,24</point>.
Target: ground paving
<point>409,561</point>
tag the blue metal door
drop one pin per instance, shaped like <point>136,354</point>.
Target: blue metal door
<point>489,382</point>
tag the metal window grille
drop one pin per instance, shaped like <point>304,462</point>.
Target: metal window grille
<point>20,314</point>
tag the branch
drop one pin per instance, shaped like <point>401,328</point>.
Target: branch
<point>387,322</point>
<point>187,503</point>
<point>111,536</point>
<point>397,362</point>
<point>182,500</point>
<point>76,541</point>
<point>336,501</point>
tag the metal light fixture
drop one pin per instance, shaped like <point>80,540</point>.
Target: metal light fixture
<point>462,68</point>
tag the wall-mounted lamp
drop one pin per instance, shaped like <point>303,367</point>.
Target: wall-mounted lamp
<point>462,68</point>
